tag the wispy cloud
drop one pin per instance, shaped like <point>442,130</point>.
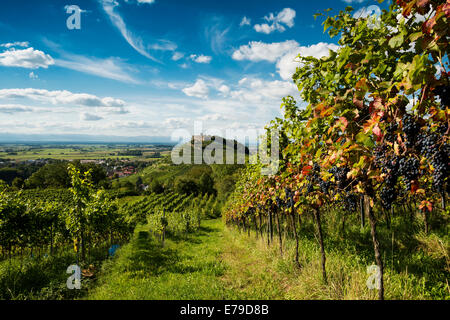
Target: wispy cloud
<point>217,34</point>
<point>61,97</point>
<point>14,108</point>
<point>353,1</point>
<point>90,117</point>
<point>109,68</point>
<point>134,41</point>
<point>245,22</point>
<point>15,44</point>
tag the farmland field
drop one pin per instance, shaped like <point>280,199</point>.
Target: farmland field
<point>80,152</point>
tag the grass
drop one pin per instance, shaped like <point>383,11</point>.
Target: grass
<point>186,268</point>
<point>44,277</point>
<point>220,263</point>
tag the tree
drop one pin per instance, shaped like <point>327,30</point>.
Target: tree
<point>156,186</point>
<point>18,183</point>
<point>206,184</point>
<point>186,186</point>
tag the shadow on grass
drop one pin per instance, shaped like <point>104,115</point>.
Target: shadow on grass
<point>400,246</point>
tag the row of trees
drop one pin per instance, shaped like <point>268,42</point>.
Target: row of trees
<point>375,131</point>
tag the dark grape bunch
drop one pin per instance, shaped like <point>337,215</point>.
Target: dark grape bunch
<point>340,176</point>
<point>388,195</point>
<point>350,201</point>
<point>313,179</point>
<point>279,202</point>
<point>289,198</point>
<point>438,155</point>
<point>409,168</point>
<point>411,130</point>
<point>441,169</point>
<point>324,186</point>
<point>380,156</point>
<point>390,132</point>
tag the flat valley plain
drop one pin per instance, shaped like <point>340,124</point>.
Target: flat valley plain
<point>66,151</point>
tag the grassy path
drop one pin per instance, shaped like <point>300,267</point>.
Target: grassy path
<point>187,268</point>
<point>218,263</point>
<point>210,264</point>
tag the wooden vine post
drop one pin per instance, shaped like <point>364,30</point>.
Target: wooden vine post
<point>322,247</point>
<point>295,235</point>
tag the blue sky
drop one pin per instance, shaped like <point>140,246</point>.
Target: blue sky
<point>149,67</point>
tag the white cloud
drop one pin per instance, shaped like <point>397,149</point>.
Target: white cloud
<point>25,58</point>
<point>110,68</point>
<point>63,97</point>
<point>24,44</point>
<point>198,90</point>
<point>119,23</point>
<point>146,1</point>
<point>224,89</point>
<point>277,22</point>
<point>32,75</point>
<point>365,12</point>
<point>217,34</point>
<point>287,65</point>
<point>245,22</point>
<point>176,123</point>
<point>283,53</point>
<point>254,90</point>
<point>90,117</point>
<point>213,117</point>
<point>201,58</point>
<point>260,51</point>
<point>164,45</point>
<point>14,108</point>
<point>353,1</point>
<point>177,56</point>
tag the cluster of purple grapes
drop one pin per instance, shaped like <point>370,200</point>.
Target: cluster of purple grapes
<point>390,132</point>
<point>438,155</point>
<point>409,168</point>
<point>289,198</point>
<point>410,129</point>
<point>350,201</point>
<point>340,176</point>
<point>389,166</point>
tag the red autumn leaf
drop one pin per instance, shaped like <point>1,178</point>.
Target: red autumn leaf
<point>377,131</point>
<point>429,25</point>
<point>446,9</point>
<point>344,121</point>
<point>414,186</point>
<point>306,170</point>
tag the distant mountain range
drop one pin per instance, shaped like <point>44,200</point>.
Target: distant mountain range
<point>79,138</point>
